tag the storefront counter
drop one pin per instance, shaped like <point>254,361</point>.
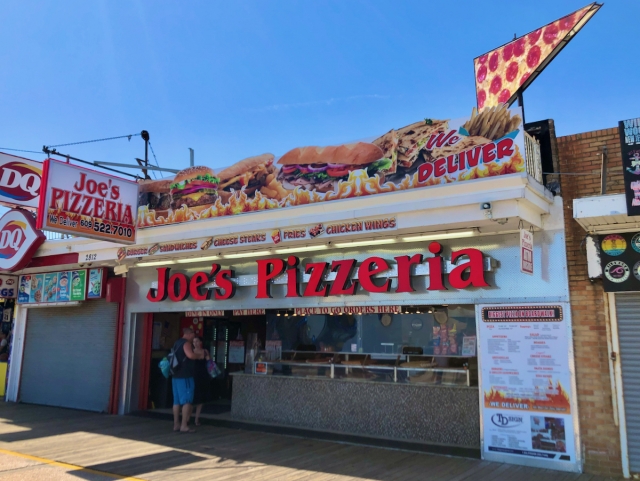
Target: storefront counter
<point>420,413</point>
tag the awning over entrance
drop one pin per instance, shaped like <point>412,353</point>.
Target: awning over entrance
<point>604,214</point>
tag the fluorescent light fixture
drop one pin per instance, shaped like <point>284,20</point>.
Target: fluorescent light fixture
<point>246,254</point>
<point>443,235</point>
<point>373,242</point>
<point>291,250</point>
<point>197,259</point>
<point>154,263</point>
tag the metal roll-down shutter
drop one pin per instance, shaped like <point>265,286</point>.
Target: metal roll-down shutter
<point>628,314</point>
<point>68,355</point>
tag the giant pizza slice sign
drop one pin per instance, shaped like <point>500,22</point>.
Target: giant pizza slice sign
<point>19,239</point>
<point>504,71</point>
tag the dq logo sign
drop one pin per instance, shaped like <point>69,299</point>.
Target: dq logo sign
<point>19,239</point>
<point>20,181</point>
<point>12,237</point>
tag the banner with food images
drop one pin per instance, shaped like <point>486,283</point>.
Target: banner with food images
<point>423,154</point>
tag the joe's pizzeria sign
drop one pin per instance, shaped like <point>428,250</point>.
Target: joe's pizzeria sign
<point>370,275</point>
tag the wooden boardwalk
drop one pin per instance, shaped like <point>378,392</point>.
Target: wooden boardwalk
<point>39,442</point>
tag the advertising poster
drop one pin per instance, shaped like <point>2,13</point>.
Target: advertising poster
<point>64,287</point>
<point>8,286</point>
<point>51,287</point>
<point>20,181</point>
<point>502,72</point>
<point>24,288</point>
<point>427,153</point>
<point>620,261</point>
<point>630,149</point>
<point>78,285</point>
<point>96,284</point>
<point>87,203</point>
<point>526,386</point>
<point>36,289</point>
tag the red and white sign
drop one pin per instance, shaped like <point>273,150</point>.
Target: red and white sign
<point>526,251</point>
<point>8,286</point>
<point>220,284</point>
<point>311,311</point>
<point>20,180</point>
<point>249,312</point>
<point>19,239</point>
<point>209,313</point>
<point>87,203</point>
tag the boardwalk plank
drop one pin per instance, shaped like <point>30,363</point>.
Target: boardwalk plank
<point>148,449</point>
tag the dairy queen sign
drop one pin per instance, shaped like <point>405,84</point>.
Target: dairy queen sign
<point>19,239</point>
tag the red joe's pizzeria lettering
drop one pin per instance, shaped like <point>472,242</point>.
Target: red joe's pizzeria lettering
<point>468,272</point>
<point>92,199</point>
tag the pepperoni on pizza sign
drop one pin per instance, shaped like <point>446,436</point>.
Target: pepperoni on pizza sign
<point>500,73</point>
<point>19,239</point>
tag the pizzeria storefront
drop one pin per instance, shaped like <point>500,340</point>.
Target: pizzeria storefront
<point>404,317</point>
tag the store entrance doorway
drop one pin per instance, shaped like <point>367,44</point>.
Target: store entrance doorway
<point>225,338</point>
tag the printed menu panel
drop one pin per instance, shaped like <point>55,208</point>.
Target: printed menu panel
<point>64,287</point>
<point>526,390</point>
<point>24,288</point>
<point>52,287</point>
<point>78,285</point>
<point>96,284</point>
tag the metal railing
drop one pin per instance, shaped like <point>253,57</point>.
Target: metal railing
<point>533,157</point>
<point>56,235</point>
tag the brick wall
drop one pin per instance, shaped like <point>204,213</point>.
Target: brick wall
<point>581,154</point>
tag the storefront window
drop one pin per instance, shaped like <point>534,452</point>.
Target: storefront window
<point>437,331</point>
<point>430,344</point>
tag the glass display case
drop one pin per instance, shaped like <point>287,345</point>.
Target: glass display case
<point>396,368</point>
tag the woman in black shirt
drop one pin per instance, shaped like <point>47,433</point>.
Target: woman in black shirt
<point>201,377</point>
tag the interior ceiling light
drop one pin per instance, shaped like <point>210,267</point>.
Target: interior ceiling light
<point>197,259</point>
<point>154,263</point>
<point>246,254</point>
<point>373,242</point>
<point>291,250</point>
<point>443,235</point>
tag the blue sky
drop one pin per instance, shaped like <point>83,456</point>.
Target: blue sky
<point>240,78</point>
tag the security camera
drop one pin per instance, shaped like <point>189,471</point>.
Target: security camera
<point>486,208</point>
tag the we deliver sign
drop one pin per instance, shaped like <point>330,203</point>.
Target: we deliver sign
<point>20,180</point>
<point>87,203</point>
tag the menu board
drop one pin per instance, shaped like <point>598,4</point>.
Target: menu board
<point>526,386</point>
<point>51,287</point>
